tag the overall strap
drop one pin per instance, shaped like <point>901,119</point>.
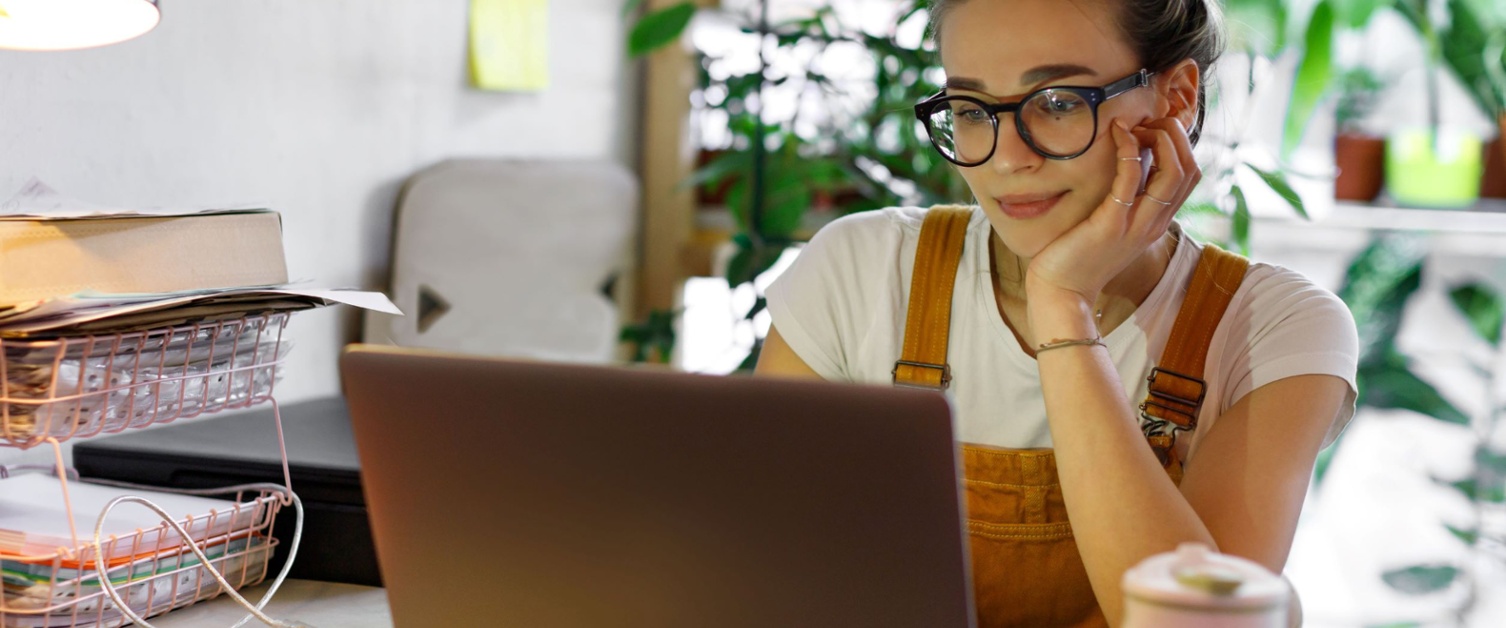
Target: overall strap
<point>1177,384</point>
<point>928,321</point>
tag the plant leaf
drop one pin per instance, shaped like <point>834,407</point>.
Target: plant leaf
<point>750,362</point>
<point>659,28</point>
<point>1491,461</point>
<point>1467,487</point>
<point>1314,74</point>
<point>1277,181</point>
<point>760,304</point>
<point>1484,309</point>
<point>657,333</point>
<point>1468,536</point>
<point>1390,384</point>
<point>718,169</point>
<point>630,7</point>
<point>1421,579</point>
<point>1241,226</point>
<point>1377,286</point>
<point>1355,14</point>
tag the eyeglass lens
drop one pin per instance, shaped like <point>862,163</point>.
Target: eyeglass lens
<point>1056,122</point>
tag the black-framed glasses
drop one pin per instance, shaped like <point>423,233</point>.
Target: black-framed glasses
<point>1057,122</point>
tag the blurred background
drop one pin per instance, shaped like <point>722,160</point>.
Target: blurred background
<point>617,182</point>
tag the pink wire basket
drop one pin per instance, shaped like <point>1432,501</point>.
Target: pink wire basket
<point>152,571</point>
<point>77,387</point>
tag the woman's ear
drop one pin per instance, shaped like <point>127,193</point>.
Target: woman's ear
<point>1178,89</point>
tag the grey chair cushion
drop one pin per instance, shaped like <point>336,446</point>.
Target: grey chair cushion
<point>509,258</point>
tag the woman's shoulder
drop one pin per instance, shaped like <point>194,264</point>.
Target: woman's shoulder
<point>1267,284</point>
<point>1278,284</point>
<point>1285,306</point>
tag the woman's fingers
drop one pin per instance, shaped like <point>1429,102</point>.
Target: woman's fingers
<point>1163,192</point>
<point>1177,134</point>
<point>1126,186</point>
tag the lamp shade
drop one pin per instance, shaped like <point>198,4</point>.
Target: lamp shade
<point>73,24</point>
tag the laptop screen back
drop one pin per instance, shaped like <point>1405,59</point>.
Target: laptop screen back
<point>529,494</point>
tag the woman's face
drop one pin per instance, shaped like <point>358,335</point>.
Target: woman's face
<point>1001,50</point>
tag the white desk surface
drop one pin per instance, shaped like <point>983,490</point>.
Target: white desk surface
<point>318,604</point>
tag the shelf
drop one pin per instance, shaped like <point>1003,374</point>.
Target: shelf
<point>1488,217</point>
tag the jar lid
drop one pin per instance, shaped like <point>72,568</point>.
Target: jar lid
<point>1196,576</point>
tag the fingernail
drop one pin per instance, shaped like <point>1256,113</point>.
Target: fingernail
<point>1120,124</point>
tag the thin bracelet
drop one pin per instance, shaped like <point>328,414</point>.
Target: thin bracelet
<point>1059,343</point>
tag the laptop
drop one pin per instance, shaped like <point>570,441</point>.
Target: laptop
<point>511,493</point>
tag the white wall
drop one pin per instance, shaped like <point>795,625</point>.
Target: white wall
<point>318,108</point>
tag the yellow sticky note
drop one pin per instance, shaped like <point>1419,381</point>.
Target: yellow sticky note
<point>510,45</point>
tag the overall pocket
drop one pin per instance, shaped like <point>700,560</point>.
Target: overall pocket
<point>1028,574</point>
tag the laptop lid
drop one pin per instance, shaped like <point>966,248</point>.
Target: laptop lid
<point>534,494</point>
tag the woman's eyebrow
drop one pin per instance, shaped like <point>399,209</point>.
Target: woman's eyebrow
<point>957,82</point>
<point>1033,76</point>
<point>1041,74</point>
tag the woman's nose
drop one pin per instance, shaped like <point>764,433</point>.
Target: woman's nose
<point>1011,153</point>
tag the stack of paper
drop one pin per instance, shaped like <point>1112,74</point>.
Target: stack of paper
<point>34,522</point>
<point>43,589</point>
<point>93,313</point>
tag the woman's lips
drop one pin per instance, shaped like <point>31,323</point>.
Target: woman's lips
<point>1025,207</point>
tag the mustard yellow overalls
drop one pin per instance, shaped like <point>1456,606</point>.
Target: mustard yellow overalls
<point>1026,568</point>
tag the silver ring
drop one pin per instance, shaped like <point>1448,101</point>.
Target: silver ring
<point>1129,159</point>
<point>1116,200</point>
<point>1147,195</point>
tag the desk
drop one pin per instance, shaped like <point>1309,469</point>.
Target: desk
<point>318,604</point>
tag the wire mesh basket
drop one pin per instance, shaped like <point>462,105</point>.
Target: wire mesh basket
<point>77,387</point>
<point>153,571</point>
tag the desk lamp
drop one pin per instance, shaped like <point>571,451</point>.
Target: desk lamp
<point>73,24</point>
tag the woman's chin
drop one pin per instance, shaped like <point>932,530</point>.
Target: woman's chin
<point>1028,239</point>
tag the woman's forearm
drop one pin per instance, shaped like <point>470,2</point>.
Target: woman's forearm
<point>1122,505</point>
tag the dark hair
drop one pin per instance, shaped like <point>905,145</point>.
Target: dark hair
<point>1162,33</point>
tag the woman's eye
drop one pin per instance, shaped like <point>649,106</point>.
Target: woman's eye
<point>969,113</point>
<point>1056,105</point>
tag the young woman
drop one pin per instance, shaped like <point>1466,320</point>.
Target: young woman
<point>1069,120</point>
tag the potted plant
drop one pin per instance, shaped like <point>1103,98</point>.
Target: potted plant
<point>1436,165</point>
<point>1493,94</point>
<point>1359,155</point>
<point>1474,48</point>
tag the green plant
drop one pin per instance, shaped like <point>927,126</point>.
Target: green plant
<point>865,153</point>
<point>1358,88</point>
<point>1268,28</point>
<point>652,340</point>
<point>1379,284</point>
<point>1470,41</point>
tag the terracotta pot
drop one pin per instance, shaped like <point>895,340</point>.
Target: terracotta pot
<point>715,196</point>
<point>1361,161</point>
<point>1493,182</point>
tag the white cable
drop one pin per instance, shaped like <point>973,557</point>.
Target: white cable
<point>109,588</point>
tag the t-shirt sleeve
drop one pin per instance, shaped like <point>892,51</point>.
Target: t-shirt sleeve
<point>1294,328</point>
<point>817,304</point>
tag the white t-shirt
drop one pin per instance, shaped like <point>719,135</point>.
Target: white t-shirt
<point>841,307</point>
